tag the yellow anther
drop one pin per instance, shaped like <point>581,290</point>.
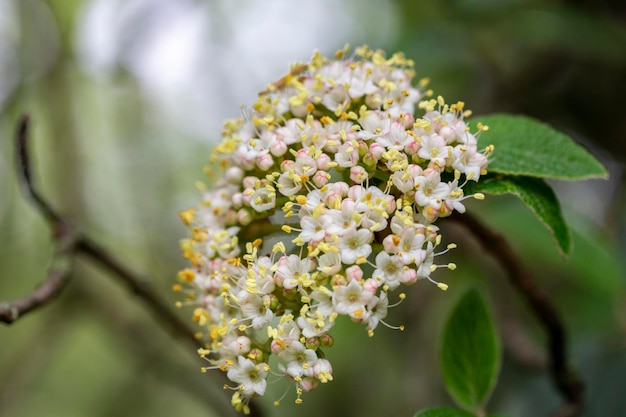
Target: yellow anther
<point>187,216</point>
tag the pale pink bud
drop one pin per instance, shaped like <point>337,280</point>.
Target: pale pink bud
<point>264,162</point>
<point>408,276</point>
<point>341,188</point>
<point>308,384</point>
<point>447,133</point>
<point>278,148</point>
<point>244,217</point>
<point>354,273</point>
<point>358,174</point>
<point>406,120</point>
<point>415,170</point>
<point>333,200</point>
<point>233,175</point>
<point>348,205</point>
<point>321,178</point>
<point>247,196</point>
<point>412,148</point>
<point>287,165</point>
<point>237,200</point>
<point>355,192</point>
<point>377,150</point>
<point>322,162</point>
<point>389,203</point>
<point>370,285</point>
<point>276,347</point>
<point>248,182</point>
<point>390,243</point>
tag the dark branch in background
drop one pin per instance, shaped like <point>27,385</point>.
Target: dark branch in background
<point>568,383</point>
<point>59,274</point>
<point>71,243</point>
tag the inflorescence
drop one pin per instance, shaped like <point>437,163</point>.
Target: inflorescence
<point>329,189</point>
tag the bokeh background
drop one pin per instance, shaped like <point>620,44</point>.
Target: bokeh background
<point>127,98</point>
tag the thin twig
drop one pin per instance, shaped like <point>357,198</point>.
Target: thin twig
<point>59,274</point>
<point>138,286</point>
<point>72,243</point>
<point>566,380</point>
<point>48,290</point>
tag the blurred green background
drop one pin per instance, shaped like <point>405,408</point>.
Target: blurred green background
<point>127,100</point>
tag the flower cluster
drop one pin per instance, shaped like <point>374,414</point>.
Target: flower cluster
<point>330,187</point>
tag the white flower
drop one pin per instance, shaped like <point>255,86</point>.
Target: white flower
<point>250,376</point>
<point>389,269</point>
<point>256,308</point>
<point>298,358</point>
<point>294,272</point>
<point>378,310</point>
<point>430,191</point>
<point>313,228</point>
<point>410,246</point>
<point>351,299</point>
<point>355,244</point>
<point>263,200</point>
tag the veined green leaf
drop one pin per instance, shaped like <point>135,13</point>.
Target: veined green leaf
<point>470,352</point>
<point>538,197</point>
<point>524,146</point>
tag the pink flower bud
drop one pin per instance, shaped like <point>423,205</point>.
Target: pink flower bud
<point>322,162</point>
<point>237,200</point>
<point>370,285</point>
<point>408,276</point>
<point>244,217</point>
<point>287,165</point>
<point>234,175</point>
<point>447,133</point>
<point>264,162</point>
<point>358,174</point>
<point>377,150</point>
<point>248,182</point>
<point>412,148</point>
<point>354,273</point>
<point>333,200</point>
<point>308,384</point>
<point>390,243</point>
<point>341,188</point>
<point>321,178</point>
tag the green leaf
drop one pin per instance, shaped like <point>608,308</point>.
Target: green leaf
<point>444,412</point>
<point>470,353</point>
<point>538,197</point>
<point>524,146</point>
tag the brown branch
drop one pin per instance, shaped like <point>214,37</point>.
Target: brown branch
<point>72,243</point>
<point>59,274</point>
<point>47,291</point>
<point>138,286</point>
<point>566,380</point>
